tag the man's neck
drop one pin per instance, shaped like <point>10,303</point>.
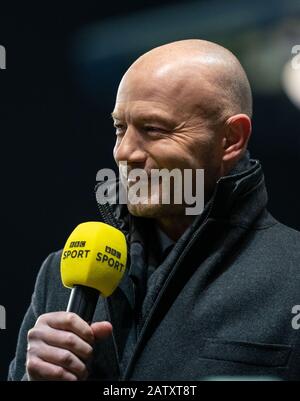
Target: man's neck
<point>175,226</point>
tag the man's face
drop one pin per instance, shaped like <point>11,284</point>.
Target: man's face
<point>159,125</point>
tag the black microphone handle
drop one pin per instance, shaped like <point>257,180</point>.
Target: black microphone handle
<point>83,301</point>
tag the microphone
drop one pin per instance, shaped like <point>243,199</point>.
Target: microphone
<point>93,263</point>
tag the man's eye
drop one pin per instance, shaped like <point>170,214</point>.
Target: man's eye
<point>119,128</point>
<point>150,128</point>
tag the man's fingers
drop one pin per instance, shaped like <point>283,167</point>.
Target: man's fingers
<point>63,339</point>
<point>41,370</point>
<point>101,330</point>
<point>63,358</point>
<point>68,321</point>
<point>60,346</point>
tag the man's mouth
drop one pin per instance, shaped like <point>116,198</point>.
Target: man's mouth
<point>135,180</point>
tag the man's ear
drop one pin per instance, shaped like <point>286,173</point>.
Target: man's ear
<point>236,136</point>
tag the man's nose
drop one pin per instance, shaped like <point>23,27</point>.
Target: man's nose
<point>130,148</point>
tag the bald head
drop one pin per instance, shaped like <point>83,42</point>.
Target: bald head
<point>212,75</point>
<point>185,105</point>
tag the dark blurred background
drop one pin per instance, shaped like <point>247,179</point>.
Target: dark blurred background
<point>63,65</point>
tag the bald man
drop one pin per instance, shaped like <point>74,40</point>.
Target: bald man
<point>204,296</point>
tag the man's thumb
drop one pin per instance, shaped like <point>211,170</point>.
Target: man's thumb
<point>101,330</point>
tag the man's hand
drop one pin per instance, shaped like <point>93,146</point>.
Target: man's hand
<point>60,345</point>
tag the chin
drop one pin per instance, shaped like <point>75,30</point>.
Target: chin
<point>140,210</point>
<point>154,211</point>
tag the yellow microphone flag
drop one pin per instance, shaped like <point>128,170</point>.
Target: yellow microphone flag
<point>95,256</point>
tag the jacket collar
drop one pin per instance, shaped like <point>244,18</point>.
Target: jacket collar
<point>241,195</point>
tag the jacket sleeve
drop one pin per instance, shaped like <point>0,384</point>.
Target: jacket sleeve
<point>17,370</point>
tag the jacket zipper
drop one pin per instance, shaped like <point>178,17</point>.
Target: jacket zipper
<point>108,216</point>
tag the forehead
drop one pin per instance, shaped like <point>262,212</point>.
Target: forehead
<point>165,89</point>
